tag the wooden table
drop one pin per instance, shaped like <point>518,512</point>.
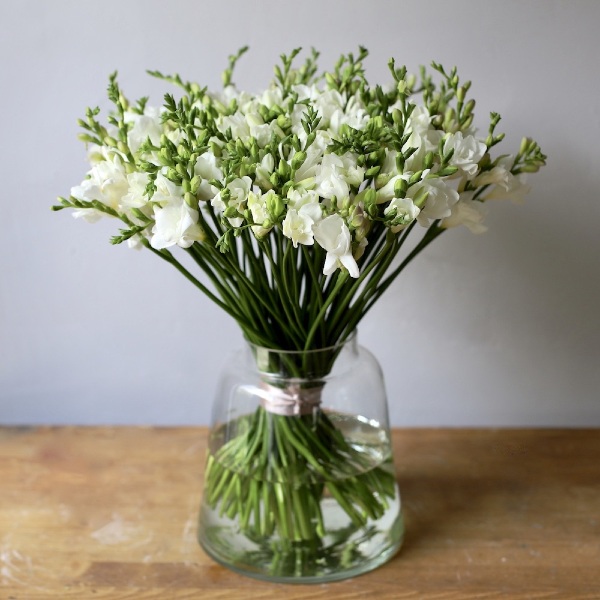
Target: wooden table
<point>110,512</point>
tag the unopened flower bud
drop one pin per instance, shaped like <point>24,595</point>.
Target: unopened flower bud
<point>415,177</point>
<point>298,160</point>
<point>275,179</point>
<point>173,176</point>
<point>190,199</point>
<point>428,160</point>
<point>530,168</point>
<point>195,184</point>
<point>283,169</point>
<point>231,211</point>
<point>275,206</point>
<point>400,188</point>
<point>284,122</point>
<point>331,82</point>
<point>525,142</point>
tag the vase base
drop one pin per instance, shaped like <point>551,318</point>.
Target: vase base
<point>335,557</point>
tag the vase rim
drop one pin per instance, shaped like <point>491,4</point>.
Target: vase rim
<point>348,341</point>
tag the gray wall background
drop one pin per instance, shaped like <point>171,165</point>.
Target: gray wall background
<point>498,329</point>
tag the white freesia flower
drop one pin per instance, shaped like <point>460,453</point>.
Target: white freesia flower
<point>336,174</point>
<point>506,185</point>
<point>468,151</point>
<point>333,235</point>
<point>498,175</point>
<point>237,124</point>
<point>515,190</point>
<point>175,224</point>
<point>264,171</point>
<point>423,136</point>
<point>440,199</point>
<point>354,116</point>
<point>106,183</point>
<point>238,191</point>
<point>136,195</point>
<point>297,226</point>
<point>467,212</point>
<point>327,104</point>
<point>144,126</point>
<point>297,198</point>
<point>207,168</point>
<point>272,97</point>
<point>330,179</point>
<point>304,211</point>
<point>402,211</point>
<point>386,193</point>
<point>257,203</point>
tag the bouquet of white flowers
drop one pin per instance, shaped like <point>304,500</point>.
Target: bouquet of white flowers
<point>296,203</point>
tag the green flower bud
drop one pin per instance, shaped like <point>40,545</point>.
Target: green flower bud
<point>469,106</point>
<point>190,199</point>
<point>415,177</point>
<point>400,163</point>
<point>532,167</point>
<point>195,184</point>
<point>330,79</point>
<point>421,197</point>
<point>525,143</point>
<point>110,141</point>
<point>165,156</point>
<point>283,169</point>
<point>400,188</point>
<point>286,188</point>
<point>382,180</point>
<point>185,186</point>
<point>173,176</point>
<point>284,122</point>
<point>246,169</point>
<point>231,211</point>
<point>446,171</point>
<point>275,206</point>
<point>85,137</point>
<point>298,160</point>
<point>275,179</point>
<point>428,160</point>
<point>372,172</point>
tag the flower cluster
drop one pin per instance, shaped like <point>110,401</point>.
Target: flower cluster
<point>324,163</point>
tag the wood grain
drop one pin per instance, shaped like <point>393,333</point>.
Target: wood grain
<point>110,513</point>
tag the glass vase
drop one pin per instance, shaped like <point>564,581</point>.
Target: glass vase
<point>299,481</point>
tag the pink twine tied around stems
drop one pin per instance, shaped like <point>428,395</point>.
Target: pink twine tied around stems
<point>293,400</point>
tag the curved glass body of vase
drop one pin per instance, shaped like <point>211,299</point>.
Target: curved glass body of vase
<point>299,483</point>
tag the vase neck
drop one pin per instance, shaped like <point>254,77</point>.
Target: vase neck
<point>303,368</point>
